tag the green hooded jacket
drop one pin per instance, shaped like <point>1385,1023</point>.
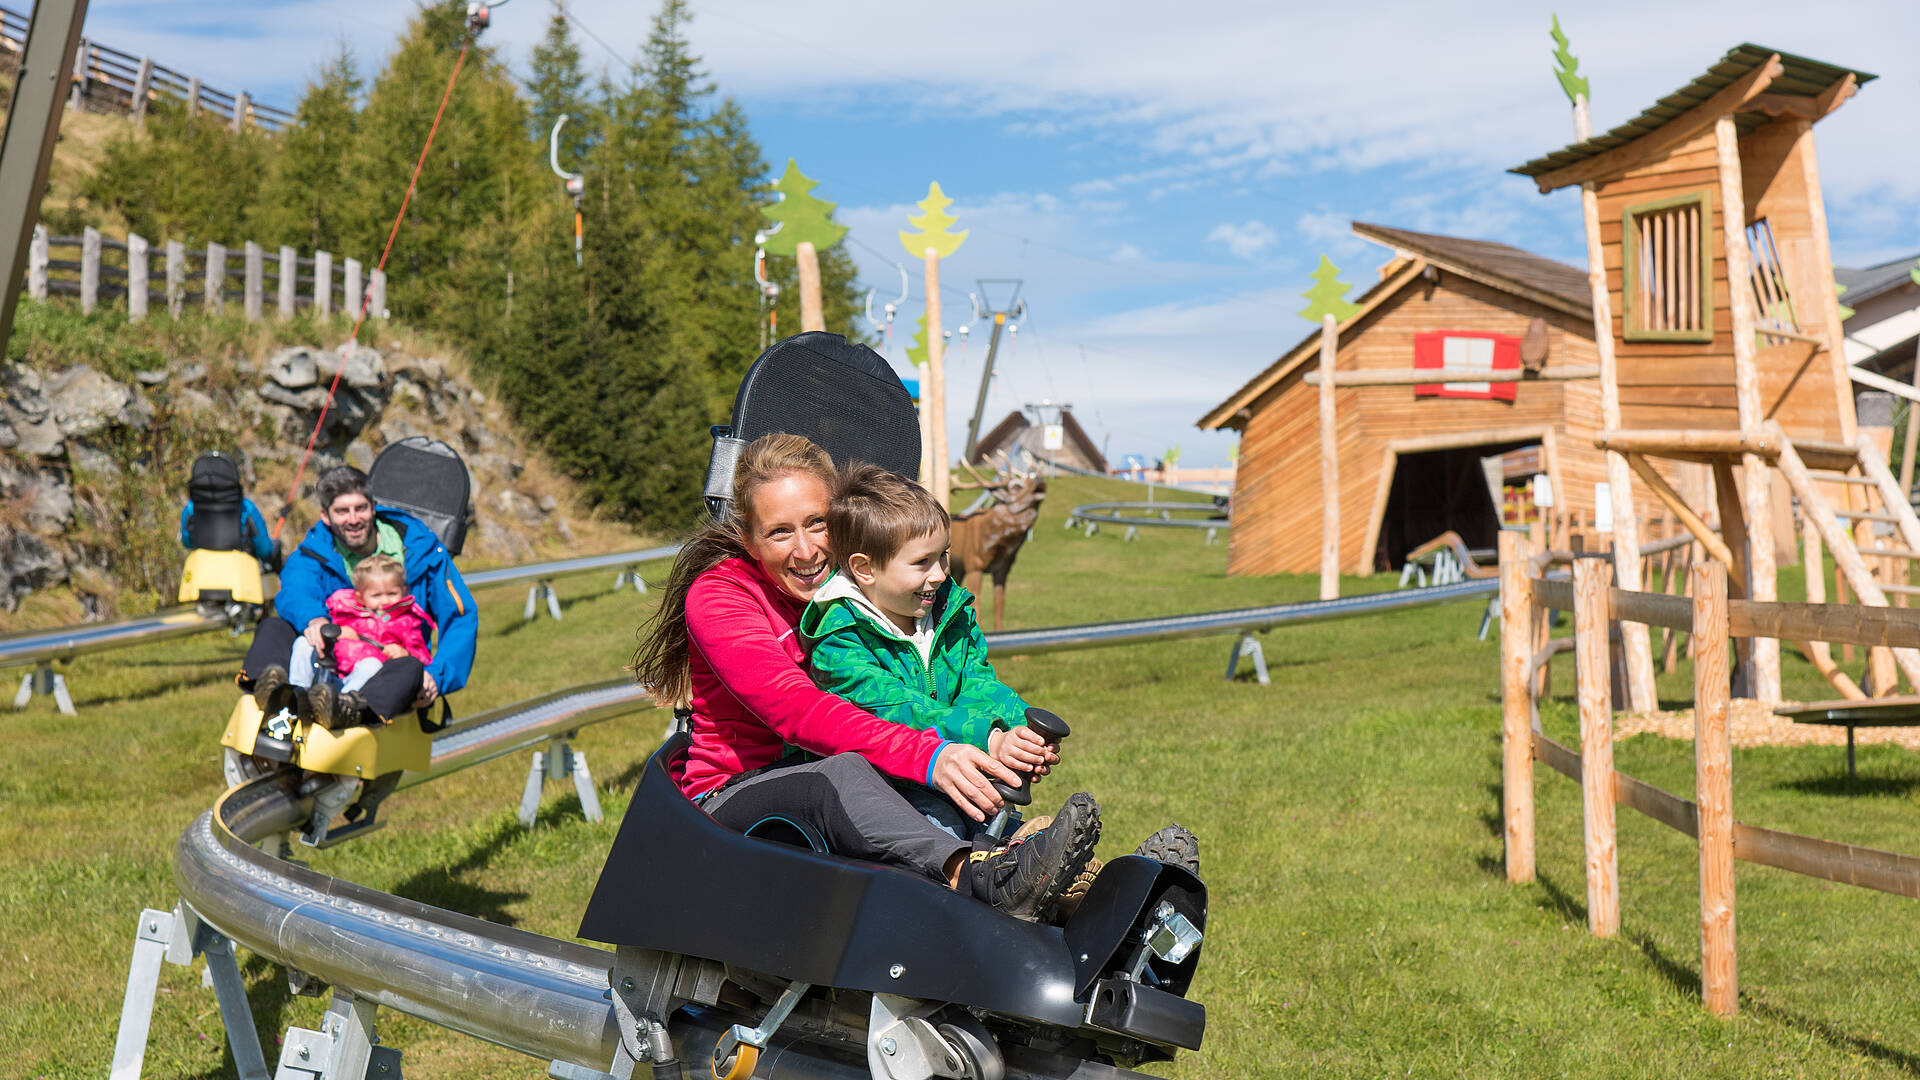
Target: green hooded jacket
<point>857,653</point>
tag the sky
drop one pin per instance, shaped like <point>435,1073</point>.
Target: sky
<point>1162,178</point>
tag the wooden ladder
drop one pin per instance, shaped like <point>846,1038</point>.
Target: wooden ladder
<point>1868,472</point>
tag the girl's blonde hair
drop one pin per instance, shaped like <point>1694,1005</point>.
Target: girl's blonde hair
<point>660,663</point>
<point>384,567</point>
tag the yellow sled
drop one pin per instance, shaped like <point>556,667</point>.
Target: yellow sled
<point>224,576</point>
<point>364,752</point>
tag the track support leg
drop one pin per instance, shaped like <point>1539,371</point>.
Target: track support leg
<point>45,680</point>
<point>1249,647</point>
<point>630,576</point>
<point>343,1049</point>
<point>538,591</point>
<point>559,761</point>
<point>177,937</point>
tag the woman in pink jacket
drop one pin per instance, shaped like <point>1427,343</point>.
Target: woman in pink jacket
<point>723,641</point>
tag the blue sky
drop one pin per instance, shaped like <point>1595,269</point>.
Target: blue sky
<point>1164,178</point>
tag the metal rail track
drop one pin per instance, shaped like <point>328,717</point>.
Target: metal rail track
<point>1106,513</point>
<point>538,995</point>
<point>41,647</point>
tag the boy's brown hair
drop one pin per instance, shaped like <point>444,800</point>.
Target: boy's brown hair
<point>875,512</point>
<point>378,566</point>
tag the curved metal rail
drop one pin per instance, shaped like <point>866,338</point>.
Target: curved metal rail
<point>538,995</point>
<point>1090,516</point>
<point>67,642</point>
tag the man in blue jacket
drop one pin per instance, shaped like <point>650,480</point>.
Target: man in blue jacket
<point>351,528</point>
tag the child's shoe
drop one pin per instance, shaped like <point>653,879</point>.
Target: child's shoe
<point>323,703</point>
<point>272,692</point>
<point>1175,846</point>
<point>352,709</point>
<point>1025,877</point>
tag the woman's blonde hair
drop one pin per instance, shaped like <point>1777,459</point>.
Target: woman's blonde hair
<point>660,662</point>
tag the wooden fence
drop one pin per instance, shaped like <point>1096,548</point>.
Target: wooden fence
<point>1527,598</point>
<point>103,268</point>
<point>104,79</point>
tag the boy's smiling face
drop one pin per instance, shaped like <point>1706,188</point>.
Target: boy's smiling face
<point>906,587</point>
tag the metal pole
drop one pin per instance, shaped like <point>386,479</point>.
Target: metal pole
<point>986,376</point>
<point>33,124</point>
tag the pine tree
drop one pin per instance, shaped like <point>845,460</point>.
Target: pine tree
<point>801,216</point>
<point>557,85</point>
<point>301,202</point>
<point>187,177</point>
<point>1326,296</point>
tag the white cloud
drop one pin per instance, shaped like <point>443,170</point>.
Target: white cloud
<point>1328,231</point>
<point>1127,253</point>
<point>1246,241</point>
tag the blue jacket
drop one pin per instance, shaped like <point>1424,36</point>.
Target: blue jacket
<point>252,526</point>
<point>315,570</point>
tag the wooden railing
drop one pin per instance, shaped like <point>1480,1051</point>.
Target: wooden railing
<point>104,269</point>
<point>1527,599</point>
<point>104,79</point>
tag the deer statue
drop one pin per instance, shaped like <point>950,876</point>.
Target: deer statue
<point>986,541</point>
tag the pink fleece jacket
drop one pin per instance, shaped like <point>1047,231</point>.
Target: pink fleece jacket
<point>403,624</point>
<point>752,695</point>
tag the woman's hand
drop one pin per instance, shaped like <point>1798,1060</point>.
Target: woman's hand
<point>965,774</point>
<point>1023,750</point>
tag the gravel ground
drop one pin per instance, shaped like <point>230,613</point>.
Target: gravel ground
<point>1753,724</point>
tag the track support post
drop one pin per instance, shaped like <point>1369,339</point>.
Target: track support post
<point>542,590</point>
<point>559,761</point>
<point>1249,647</point>
<point>45,680</point>
<point>177,937</point>
<point>630,576</point>
<point>344,1048</point>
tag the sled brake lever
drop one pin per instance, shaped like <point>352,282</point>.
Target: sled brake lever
<point>1049,727</point>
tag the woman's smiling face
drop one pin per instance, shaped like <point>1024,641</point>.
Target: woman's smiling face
<point>787,532</point>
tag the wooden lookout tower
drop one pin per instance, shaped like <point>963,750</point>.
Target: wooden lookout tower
<point>1719,334</point>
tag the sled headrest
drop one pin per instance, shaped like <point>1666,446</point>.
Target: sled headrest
<point>838,393</point>
<point>214,487</point>
<point>427,479</point>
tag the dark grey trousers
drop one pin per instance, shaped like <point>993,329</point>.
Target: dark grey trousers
<point>855,809</point>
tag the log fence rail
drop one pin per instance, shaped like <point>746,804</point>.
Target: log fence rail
<point>105,269</point>
<point>1712,621</point>
<point>104,79</point>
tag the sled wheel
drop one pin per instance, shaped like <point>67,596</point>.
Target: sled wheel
<point>741,1065</point>
<point>240,768</point>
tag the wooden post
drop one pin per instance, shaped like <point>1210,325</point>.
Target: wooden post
<point>214,296</point>
<point>176,278</point>
<point>1756,483</point>
<point>1825,300</point>
<point>812,316</point>
<point>377,295</point>
<point>77,86</point>
<point>289,273</point>
<point>89,269</point>
<point>352,297</point>
<point>322,283</point>
<point>1592,578</point>
<point>193,96</point>
<point>1913,432</point>
<point>256,281</point>
<point>933,395</point>
<point>136,277</point>
<point>1516,704</point>
<point>239,113</point>
<point>39,252</point>
<point>1329,463</point>
<point>1713,783</point>
<point>142,86</point>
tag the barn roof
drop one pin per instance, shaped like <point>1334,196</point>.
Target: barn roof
<point>1007,432</point>
<point>1874,280</point>
<point>1497,266</point>
<point>1694,107</point>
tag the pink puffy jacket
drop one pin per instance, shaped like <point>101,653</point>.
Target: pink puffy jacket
<point>403,624</point>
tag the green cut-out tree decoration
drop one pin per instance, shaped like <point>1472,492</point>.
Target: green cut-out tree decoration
<point>1327,297</point>
<point>1915,272</point>
<point>1841,290</point>
<point>917,352</point>
<point>1574,84</point>
<point>933,223</point>
<point>801,217</point>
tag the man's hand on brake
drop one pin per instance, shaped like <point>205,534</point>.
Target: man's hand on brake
<point>312,634</point>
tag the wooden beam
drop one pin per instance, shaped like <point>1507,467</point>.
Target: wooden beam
<point>1819,653</point>
<point>1416,376</point>
<point>1590,612</point>
<point>1516,706</point>
<point>1835,96</point>
<point>1382,491</point>
<point>1709,539</point>
<point>1826,300</point>
<point>1657,143</point>
<point>1661,442</point>
<point>1713,783</point>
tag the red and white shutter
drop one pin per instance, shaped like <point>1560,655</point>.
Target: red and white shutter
<point>1466,350</point>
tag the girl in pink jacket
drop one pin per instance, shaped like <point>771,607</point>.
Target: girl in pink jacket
<point>378,621</point>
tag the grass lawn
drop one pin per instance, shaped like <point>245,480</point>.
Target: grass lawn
<point>1349,815</point>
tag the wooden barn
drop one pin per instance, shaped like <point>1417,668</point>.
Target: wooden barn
<point>1017,432</point>
<point>1416,460</point>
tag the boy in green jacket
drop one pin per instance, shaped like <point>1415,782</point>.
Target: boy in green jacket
<point>892,633</point>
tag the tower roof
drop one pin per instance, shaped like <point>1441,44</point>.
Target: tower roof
<point>1760,83</point>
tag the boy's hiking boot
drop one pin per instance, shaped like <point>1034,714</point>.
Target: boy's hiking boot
<point>1026,876</point>
<point>1173,845</point>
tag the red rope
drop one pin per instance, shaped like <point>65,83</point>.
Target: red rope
<point>366,298</point>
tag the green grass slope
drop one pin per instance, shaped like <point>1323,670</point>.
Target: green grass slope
<point>1361,924</point>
